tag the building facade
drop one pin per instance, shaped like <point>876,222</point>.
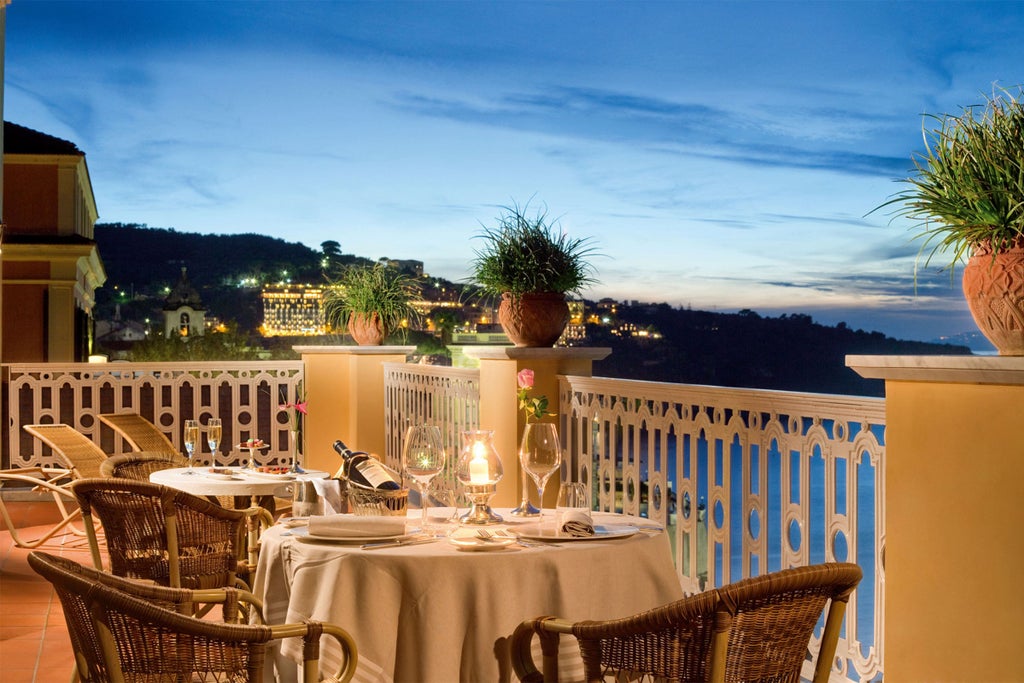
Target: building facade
<point>293,310</point>
<point>51,267</point>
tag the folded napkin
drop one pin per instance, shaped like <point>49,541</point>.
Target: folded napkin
<point>577,523</point>
<point>355,526</point>
<point>329,491</point>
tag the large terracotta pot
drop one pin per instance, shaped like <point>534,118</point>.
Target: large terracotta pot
<point>994,288</point>
<point>534,320</point>
<point>366,330</point>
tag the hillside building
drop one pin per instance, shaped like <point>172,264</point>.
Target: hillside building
<point>293,310</point>
<point>184,313</point>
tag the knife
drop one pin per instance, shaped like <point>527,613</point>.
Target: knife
<point>395,544</point>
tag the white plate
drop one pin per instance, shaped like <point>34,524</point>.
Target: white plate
<point>549,532</point>
<point>284,476</point>
<point>472,543</point>
<point>304,535</point>
<point>222,476</point>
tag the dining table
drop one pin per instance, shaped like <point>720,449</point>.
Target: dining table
<point>442,609</point>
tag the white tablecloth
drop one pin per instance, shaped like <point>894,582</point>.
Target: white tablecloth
<point>432,613</point>
<point>241,483</point>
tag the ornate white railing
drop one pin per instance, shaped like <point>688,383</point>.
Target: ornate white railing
<point>428,394</point>
<point>750,482</point>
<point>245,395</point>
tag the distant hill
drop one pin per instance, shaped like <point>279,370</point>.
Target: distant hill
<point>744,349</point>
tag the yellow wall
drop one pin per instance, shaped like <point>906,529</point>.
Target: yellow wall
<point>954,515</point>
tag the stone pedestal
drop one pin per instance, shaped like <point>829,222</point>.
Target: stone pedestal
<point>344,387</point>
<point>954,514</point>
<point>499,408</point>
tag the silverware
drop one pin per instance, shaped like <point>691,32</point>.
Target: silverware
<point>395,544</point>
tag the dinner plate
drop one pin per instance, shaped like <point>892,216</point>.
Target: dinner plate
<point>283,476</point>
<point>305,535</point>
<point>549,532</point>
<point>221,476</point>
<point>473,543</point>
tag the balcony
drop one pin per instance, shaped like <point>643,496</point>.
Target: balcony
<point>746,481</point>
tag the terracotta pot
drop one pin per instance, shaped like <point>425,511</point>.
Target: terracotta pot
<point>367,331</point>
<point>533,320</point>
<point>994,288</point>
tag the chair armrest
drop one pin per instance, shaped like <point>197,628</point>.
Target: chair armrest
<point>310,632</point>
<point>46,478</point>
<point>521,648</point>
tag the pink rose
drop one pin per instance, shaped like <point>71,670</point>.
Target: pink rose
<point>525,378</point>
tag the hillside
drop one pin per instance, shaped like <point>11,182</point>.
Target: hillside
<point>744,349</point>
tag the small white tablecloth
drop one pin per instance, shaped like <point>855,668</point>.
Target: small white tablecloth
<point>432,613</point>
<point>241,483</point>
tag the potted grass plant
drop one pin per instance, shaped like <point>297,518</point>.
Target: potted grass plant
<point>371,302</point>
<point>530,263</point>
<point>966,196</point>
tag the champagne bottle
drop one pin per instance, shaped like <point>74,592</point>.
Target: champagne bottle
<point>364,470</point>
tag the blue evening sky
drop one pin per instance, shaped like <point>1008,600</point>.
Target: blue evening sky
<point>722,155</point>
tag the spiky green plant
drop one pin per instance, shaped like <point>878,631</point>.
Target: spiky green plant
<point>524,254</point>
<point>968,186</point>
<point>365,290</point>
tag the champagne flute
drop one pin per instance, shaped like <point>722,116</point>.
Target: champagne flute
<point>214,431</point>
<point>423,457</point>
<point>191,441</point>
<point>540,454</point>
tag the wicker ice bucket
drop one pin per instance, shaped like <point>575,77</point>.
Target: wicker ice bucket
<point>363,500</point>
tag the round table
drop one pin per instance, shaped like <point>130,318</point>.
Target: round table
<point>241,483</point>
<point>432,613</point>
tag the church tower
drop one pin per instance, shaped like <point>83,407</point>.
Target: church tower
<point>184,314</point>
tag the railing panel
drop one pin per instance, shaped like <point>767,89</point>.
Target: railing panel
<point>747,482</point>
<point>245,395</point>
<point>429,395</point>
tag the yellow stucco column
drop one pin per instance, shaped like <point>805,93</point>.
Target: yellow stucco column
<point>344,386</point>
<point>499,408</point>
<point>954,515</point>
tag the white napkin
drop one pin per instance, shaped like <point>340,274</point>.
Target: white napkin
<point>576,522</point>
<point>329,491</point>
<point>356,526</point>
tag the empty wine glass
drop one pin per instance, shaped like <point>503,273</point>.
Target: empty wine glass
<point>191,441</point>
<point>423,457</point>
<point>213,436</point>
<point>540,454</point>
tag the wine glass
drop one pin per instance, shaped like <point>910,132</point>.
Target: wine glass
<point>191,441</point>
<point>213,435</point>
<point>540,454</point>
<point>423,457</point>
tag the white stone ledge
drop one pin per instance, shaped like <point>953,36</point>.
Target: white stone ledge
<point>518,352</point>
<point>355,350</point>
<point>949,369</point>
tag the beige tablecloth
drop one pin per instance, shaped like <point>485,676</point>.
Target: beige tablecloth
<point>432,613</point>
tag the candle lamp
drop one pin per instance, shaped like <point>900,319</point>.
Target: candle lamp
<point>479,469</point>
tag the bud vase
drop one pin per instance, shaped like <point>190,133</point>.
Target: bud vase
<point>293,446</point>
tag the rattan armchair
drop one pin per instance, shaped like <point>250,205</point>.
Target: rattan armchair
<point>141,434</point>
<point>165,535</point>
<point>123,631</point>
<point>79,457</point>
<point>137,466</point>
<point>753,630</point>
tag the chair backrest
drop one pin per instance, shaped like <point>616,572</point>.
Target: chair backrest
<point>753,630</point>
<point>123,632</point>
<point>137,466</point>
<point>162,534</point>
<point>140,433</point>
<point>75,450</point>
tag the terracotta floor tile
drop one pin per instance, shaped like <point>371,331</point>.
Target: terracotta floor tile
<point>11,674</point>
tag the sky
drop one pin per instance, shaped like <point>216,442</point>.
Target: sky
<point>718,155</point>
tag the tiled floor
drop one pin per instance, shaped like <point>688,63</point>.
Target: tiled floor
<point>34,643</point>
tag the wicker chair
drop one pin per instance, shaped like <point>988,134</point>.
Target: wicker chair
<point>137,466</point>
<point>753,630</point>
<point>79,457</point>
<point>165,535</point>
<point>126,631</point>
<point>141,434</point>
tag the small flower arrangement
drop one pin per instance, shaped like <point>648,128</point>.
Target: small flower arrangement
<point>536,407</point>
<point>297,408</point>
